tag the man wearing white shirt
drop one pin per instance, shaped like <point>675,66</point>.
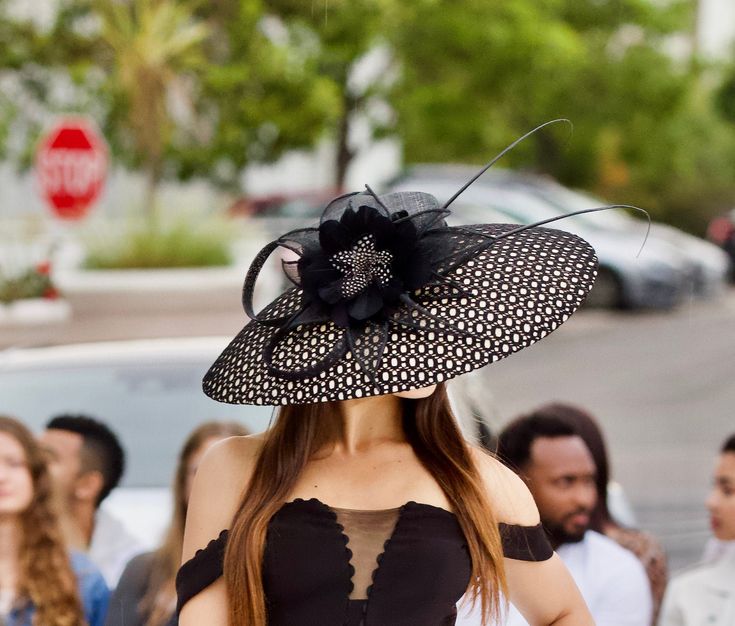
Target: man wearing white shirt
<point>560,472</point>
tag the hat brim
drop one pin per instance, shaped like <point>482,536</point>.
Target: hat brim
<point>506,298</point>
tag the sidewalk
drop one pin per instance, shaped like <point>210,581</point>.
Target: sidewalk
<point>138,305</point>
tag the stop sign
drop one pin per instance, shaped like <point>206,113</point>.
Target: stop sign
<point>71,165</point>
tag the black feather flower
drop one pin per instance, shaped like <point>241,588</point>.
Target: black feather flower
<point>364,262</point>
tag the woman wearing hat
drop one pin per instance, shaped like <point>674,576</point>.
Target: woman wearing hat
<point>363,504</point>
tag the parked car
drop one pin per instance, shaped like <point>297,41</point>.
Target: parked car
<point>149,392</point>
<point>659,278</point>
<point>277,214</point>
<point>710,264</point>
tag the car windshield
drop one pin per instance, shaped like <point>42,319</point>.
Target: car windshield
<point>152,407</point>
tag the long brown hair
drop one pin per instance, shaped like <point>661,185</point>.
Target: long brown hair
<point>45,575</point>
<point>160,596</point>
<point>297,434</point>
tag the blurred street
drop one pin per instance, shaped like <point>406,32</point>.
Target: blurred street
<point>661,384</point>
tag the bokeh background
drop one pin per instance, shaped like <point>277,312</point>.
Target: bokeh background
<point>227,120</point>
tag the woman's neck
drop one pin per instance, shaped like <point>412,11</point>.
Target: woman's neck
<point>369,421</point>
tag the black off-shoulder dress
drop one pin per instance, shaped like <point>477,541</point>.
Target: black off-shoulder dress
<point>324,566</point>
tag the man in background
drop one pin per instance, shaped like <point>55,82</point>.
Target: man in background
<point>560,472</point>
<point>87,462</point>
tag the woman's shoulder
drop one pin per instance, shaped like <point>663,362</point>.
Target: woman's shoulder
<point>704,575</point>
<point>238,451</point>
<point>229,463</point>
<point>220,481</point>
<point>690,582</point>
<point>508,494</point>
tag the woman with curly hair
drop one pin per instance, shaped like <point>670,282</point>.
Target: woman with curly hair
<point>41,584</point>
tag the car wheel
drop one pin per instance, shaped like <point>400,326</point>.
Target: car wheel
<point>607,292</point>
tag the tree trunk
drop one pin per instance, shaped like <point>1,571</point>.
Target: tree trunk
<point>152,178</point>
<point>344,153</point>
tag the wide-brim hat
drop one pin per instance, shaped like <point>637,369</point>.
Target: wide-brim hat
<point>386,298</point>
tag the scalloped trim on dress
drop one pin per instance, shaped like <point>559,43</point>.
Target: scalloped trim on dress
<point>333,508</point>
<point>221,538</point>
<point>379,558</point>
<point>345,539</point>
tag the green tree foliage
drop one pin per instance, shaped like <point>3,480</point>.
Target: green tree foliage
<point>152,46</point>
<point>180,88</point>
<point>23,83</point>
<point>241,81</point>
<point>726,95</point>
<point>261,94</point>
<point>475,77</point>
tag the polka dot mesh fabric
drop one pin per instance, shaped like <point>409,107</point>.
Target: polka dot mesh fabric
<point>500,297</point>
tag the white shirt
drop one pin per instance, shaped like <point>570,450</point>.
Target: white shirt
<point>112,546</point>
<point>612,581</point>
<point>715,549</point>
<point>704,595</point>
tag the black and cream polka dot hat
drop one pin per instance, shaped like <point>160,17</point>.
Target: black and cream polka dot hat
<point>386,297</point>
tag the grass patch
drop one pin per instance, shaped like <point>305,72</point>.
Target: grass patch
<point>145,244</point>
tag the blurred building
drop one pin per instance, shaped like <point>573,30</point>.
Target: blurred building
<point>715,29</point>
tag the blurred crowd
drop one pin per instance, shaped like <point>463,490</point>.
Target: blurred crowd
<point>65,561</point>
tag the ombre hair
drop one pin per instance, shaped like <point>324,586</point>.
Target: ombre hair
<point>298,433</point>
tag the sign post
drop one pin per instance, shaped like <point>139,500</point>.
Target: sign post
<point>71,165</point>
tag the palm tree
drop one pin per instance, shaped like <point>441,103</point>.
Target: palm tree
<point>154,44</point>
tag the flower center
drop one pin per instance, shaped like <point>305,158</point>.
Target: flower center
<point>361,265</point>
